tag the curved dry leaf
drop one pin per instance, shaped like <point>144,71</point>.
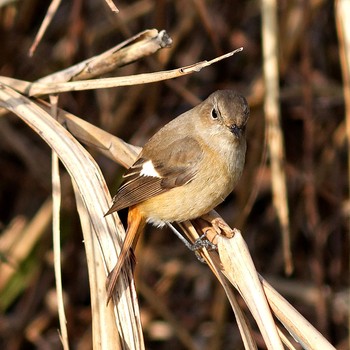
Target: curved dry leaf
<point>213,261</point>
<point>309,337</point>
<point>238,267</point>
<point>95,196</point>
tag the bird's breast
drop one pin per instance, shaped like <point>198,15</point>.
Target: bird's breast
<point>217,176</point>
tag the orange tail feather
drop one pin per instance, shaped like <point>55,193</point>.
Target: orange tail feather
<point>136,224</point>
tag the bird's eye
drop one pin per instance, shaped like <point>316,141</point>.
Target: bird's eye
<point>214,113</point>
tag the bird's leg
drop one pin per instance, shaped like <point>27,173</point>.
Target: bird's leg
<point>201,242</point>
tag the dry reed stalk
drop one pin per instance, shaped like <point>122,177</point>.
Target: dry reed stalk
<point>56,235</point>
<point>93,190</point>
<point>56,205</point>
<point>342,11</point>
<point>138,46</point>
<point>37,89</point>
<point>273,126</point>
<point>51,11</point>
<point>112,6</point>
<point>343,27</point>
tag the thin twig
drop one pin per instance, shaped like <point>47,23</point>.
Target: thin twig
<point>37,89</point>
<point>112,6</point>
<point>44,25</point>
<point>56,232</point>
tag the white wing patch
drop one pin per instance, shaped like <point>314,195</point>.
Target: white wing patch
<point>149,170</point>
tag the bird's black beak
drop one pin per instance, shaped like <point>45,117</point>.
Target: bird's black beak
<point>236,130</point>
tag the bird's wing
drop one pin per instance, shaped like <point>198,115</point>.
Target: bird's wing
<point>173,166</point>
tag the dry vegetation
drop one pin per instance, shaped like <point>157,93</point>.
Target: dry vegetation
<point>182,305</point>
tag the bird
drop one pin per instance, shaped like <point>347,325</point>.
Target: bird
<point>185,170</point>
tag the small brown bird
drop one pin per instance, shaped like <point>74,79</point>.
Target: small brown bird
<point>185,170</point>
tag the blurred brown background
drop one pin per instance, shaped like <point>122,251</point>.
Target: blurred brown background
<point>313,123</point>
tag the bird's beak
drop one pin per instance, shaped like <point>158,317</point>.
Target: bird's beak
<point>236,130</point>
